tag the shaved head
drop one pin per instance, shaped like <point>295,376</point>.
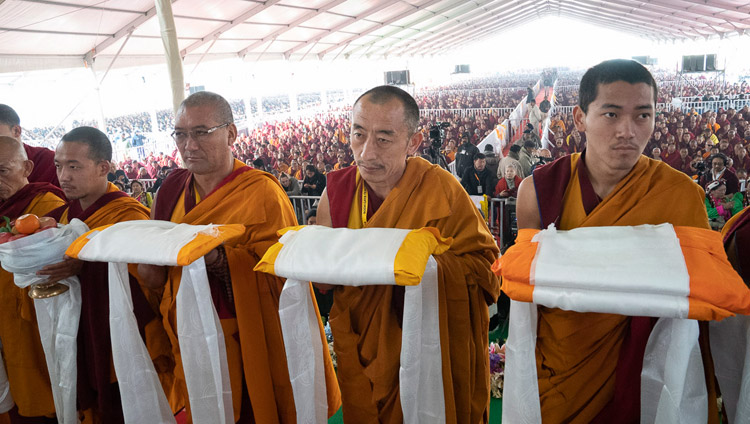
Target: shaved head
<point>15,167</point>
<point>13,147</point>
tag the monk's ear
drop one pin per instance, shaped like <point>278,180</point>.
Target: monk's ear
<point>414,142</point>
<point>232,136</point>
<point>28,167</point>
<point>102,167</point>
<point>579,119</point>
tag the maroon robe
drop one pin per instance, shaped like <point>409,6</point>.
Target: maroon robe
<point>95,388</point>
<point>44,165</point>
<point>17,203</point>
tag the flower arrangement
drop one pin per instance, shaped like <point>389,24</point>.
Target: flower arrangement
<point>497,369</point>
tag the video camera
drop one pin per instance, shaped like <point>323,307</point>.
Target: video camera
<point>437,134</point>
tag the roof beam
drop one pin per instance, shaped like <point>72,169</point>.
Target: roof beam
<point>694,12</point>
<point>480,20</point>
<point>364,14</point>
<point>621,17</point>
<point>124,31</point>
<point>381,25</point>
<point>257,8</point>
<point>614,23</point>
<point>721,5</point>
<point>670,15</point>
<point>451,21</point>
<point>455,23</point>
<point>665,13</point>
<point>82,6</point>
<point>49,31</point>
<point>438,14</point>
<point>493,30</point>
<point>610,23</point>
<point>484,29</point>
<point>294,24</point>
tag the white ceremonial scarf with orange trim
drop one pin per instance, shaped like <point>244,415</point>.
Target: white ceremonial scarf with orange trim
<point>199,330</point>
<point>679,274</point>
<point>370,256</point>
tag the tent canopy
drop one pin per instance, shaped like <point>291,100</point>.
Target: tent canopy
<point>44,34</point>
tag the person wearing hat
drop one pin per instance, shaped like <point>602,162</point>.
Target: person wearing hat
<point>719,171</point>
<point>478,180</point>
<point>491,158</point>
<point>526,157</point>
<point>721,206</point>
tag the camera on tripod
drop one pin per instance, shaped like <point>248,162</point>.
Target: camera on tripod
<point>437,134</point>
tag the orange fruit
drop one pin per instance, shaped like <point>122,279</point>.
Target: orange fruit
<point>27,224</point>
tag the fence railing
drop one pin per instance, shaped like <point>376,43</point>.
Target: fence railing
<point>470,90</point>
<point>302,205</point>
<point>434,113</point>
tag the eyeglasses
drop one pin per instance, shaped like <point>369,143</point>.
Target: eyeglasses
<point>197,135</point>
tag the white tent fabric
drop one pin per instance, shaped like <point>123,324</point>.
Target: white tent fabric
<point>38,34</point>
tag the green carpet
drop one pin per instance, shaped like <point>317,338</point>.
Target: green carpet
<point>496,405</point>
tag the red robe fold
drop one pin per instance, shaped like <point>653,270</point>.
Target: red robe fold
<point>96,391</point>
<point>44,165</point>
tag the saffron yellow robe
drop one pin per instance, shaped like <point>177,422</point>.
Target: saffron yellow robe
<point>366,327</point>
<point>254,342</point>
<point>24,357</point>
<point>576,352</point>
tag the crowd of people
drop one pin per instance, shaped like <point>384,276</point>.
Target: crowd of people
<point>242,300</point>
<point>297,149</point>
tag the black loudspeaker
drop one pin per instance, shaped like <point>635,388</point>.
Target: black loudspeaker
<point>687,64</point>
<point>397,78</point>
<point>710,62</point>
<point>699,63</point>
<point>462,69</point>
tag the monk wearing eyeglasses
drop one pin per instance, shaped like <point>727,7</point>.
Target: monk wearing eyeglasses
<point>218,189</point>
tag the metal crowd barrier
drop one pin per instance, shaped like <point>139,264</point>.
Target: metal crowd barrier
<point>502,221</point>
<point>303,204</point>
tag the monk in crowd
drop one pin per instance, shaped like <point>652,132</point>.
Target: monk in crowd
<point>217,189</point>
<point>43,158</point>
<point>22,348</point>
<point>390,189</point>
<point>589,364</point>
<point>82,160</point>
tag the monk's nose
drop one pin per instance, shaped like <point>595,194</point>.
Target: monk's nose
<point>626,128</point>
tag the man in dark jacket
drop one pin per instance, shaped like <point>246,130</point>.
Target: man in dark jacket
<point>465,154</point>
<point>478,180</point>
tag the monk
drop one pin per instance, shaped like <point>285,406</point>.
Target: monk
<point>22,348</point>
<point>82,159</point>
<point>388,190</point>
<point>588,364</point>
<point>217,189</point>
<point>43,158</point>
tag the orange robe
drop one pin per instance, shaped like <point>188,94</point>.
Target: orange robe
<point>366,320</point>
<point>254,343</point>
<point>95,395</point>
<point>24,357</point>
<point>577,353</point>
